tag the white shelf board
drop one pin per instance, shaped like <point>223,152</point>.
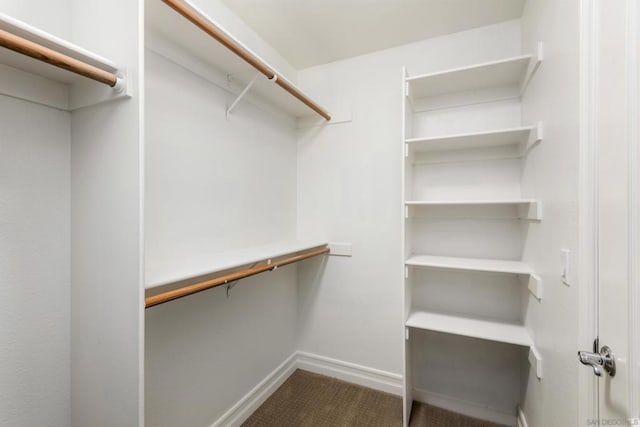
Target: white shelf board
<point>490,330</point>
<point>189,46</point>
<point>469,202</point>
<point>205,264</point>
<point>26,78</point>
<point>25,63</point>
<point>471,264</point>
<point>525,208</point>
<point>505,72</point>
<point>491,138</point>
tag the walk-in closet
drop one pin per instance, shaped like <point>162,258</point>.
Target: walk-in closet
<point>277,213</point>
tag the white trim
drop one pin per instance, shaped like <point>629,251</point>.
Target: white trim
<point>464,407</point>
<point>351,372</point>
<point>521,420</point>
<point>345,371</point>
<point>256,397</point>
<point>588,202</point>
<point>141,93</point>
<point>633,133</point>
<point>405,295</point>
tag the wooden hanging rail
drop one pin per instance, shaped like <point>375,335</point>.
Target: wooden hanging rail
<point>219,281</point>
<point>60,60</point>
<point>209,28</point>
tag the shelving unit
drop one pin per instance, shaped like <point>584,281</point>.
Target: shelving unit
<point>528,209</point>
<point>470,202</point>
<point>485,329</point>
<point>469,327</point>
<point>505,72</point>
<point>471,176</point>
<point>470,264</point>
<point>522,137</point>
<point>210,264</point>
<point>531,280</point>
<point>169,34</point>
<point>37,80</point>
<point>494,80</point>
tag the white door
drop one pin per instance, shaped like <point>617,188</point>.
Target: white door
<point>616,115</point>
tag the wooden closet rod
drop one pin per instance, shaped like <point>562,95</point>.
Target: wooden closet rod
<point>234,47</point>
<point>60,60</point>
<point>208,284</point>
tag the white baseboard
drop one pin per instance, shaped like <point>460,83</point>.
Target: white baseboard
<point>256,397</point>
<point>521,420</point>
<point>463,407</point>
<point>351,372</point>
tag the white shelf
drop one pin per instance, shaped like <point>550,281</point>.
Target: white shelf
<point>523,136</point>
<point>486,82</point>
<point>471,264</point>
<point>174,37</point>
<point>525,208</point>
<point>515,71</point>
<point>205,264</point>
<point>469,202</point>
<point>26,78</point>
<point>490,330</point>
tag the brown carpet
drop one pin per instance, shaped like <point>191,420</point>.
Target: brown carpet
<point>311,400</point>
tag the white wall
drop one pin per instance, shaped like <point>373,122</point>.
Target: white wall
<point>551,174</point>
<point>349,190</point>
<point>212,185</point>
<point>34,246</point>
<point>106,262</point>
<point>52,16</point>
<point>34,264</point>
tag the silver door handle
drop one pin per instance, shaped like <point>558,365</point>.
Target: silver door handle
<point>600,362</point>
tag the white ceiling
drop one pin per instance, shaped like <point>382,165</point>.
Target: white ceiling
<point>312,32</point>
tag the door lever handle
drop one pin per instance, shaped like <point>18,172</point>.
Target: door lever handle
<point>592,359</point>
<point>600,362</point>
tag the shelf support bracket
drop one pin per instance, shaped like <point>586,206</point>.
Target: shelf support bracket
<point>533,67</point>
<point>241,95</point>
<point>535,359</point>
<point>230,285</point>
<point>534,284</point>
<point>531,211</point>
<point>535,137</point>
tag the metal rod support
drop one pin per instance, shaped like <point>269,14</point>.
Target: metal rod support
<point>242,94</point>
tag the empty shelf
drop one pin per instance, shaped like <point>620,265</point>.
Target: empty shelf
<point>469,327</point>
<point>469,202</point>
<point>472,264</point>
<point>506,72</point>
<point>492,138</point>
<point>221,261</point>
<point>524,208</point>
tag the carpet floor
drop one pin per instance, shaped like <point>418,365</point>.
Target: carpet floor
<point>311,400</point>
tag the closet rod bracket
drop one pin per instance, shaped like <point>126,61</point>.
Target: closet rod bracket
<point>230,285</point>
<point>241,95</point>
<point>85,93</point>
